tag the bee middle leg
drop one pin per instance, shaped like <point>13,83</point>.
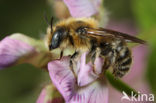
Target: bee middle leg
<point>91,56</point>
<point>73,63</point>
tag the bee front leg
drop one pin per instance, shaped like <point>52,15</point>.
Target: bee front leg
<point>73,63</point>
<point>61,54</point>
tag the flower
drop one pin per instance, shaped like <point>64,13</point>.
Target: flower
<point>10,52</point>
<point>94,91</point>
<point>14,51</point>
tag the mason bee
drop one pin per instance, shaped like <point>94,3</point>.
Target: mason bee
<point>84,35</point>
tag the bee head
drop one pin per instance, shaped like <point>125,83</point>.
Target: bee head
<point>57,37</point>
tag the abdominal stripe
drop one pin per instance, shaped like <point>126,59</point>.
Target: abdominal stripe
<point>124,55</point>
<point>127,61</point>
<point>124,59</point>
<point>124,68</point>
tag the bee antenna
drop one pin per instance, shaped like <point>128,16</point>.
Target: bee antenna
<point>46,19</point>
<point>51,24</point>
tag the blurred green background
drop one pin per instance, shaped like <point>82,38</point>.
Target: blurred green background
<point>22,83</point>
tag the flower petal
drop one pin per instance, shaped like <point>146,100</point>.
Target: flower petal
<point>19,48</point>
<point>49,94</point>
<point>86,74</point>
<point>62,77</point>
<point>11,50</point>
<point>64,80</point>
<point>81,8</point>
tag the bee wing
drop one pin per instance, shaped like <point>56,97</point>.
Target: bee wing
<point>111,33</point>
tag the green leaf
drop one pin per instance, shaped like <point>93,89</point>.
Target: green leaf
<point>119,85</point>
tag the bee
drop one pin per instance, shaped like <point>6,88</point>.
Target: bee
<point>84,35</point>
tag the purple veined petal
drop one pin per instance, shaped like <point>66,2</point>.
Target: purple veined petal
<point>62,77</point>
<point>86,74</point>
<point>97,92</point>
<point>98,65</point>
<point>49,94</point>
<point>11,50</point>
<point>19,48</point>
<point>64,80</point>
<point>81,8</point>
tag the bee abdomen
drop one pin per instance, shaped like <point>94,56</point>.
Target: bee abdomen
<point>123,62</point>
<point>127,61</point>
<point>123,53</point>
<point>124,57</point>
<point>124,68</point>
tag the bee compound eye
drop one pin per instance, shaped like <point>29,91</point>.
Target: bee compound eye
<point>57,38</point>
<point>55,41</point>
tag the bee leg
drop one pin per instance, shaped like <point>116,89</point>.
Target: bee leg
<point>91,55</point>
<point>106,64</point>
<point>61,54</point>
<point>93,60</point>
<point>95,54</point>
<point>72,69</point>
<point>73,64</point>
<point>74,55</point>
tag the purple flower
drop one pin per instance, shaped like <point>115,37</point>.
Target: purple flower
<point>12,50</point>
<point>9,52</point>
<point>94,90</point>
<point>18,48</point>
